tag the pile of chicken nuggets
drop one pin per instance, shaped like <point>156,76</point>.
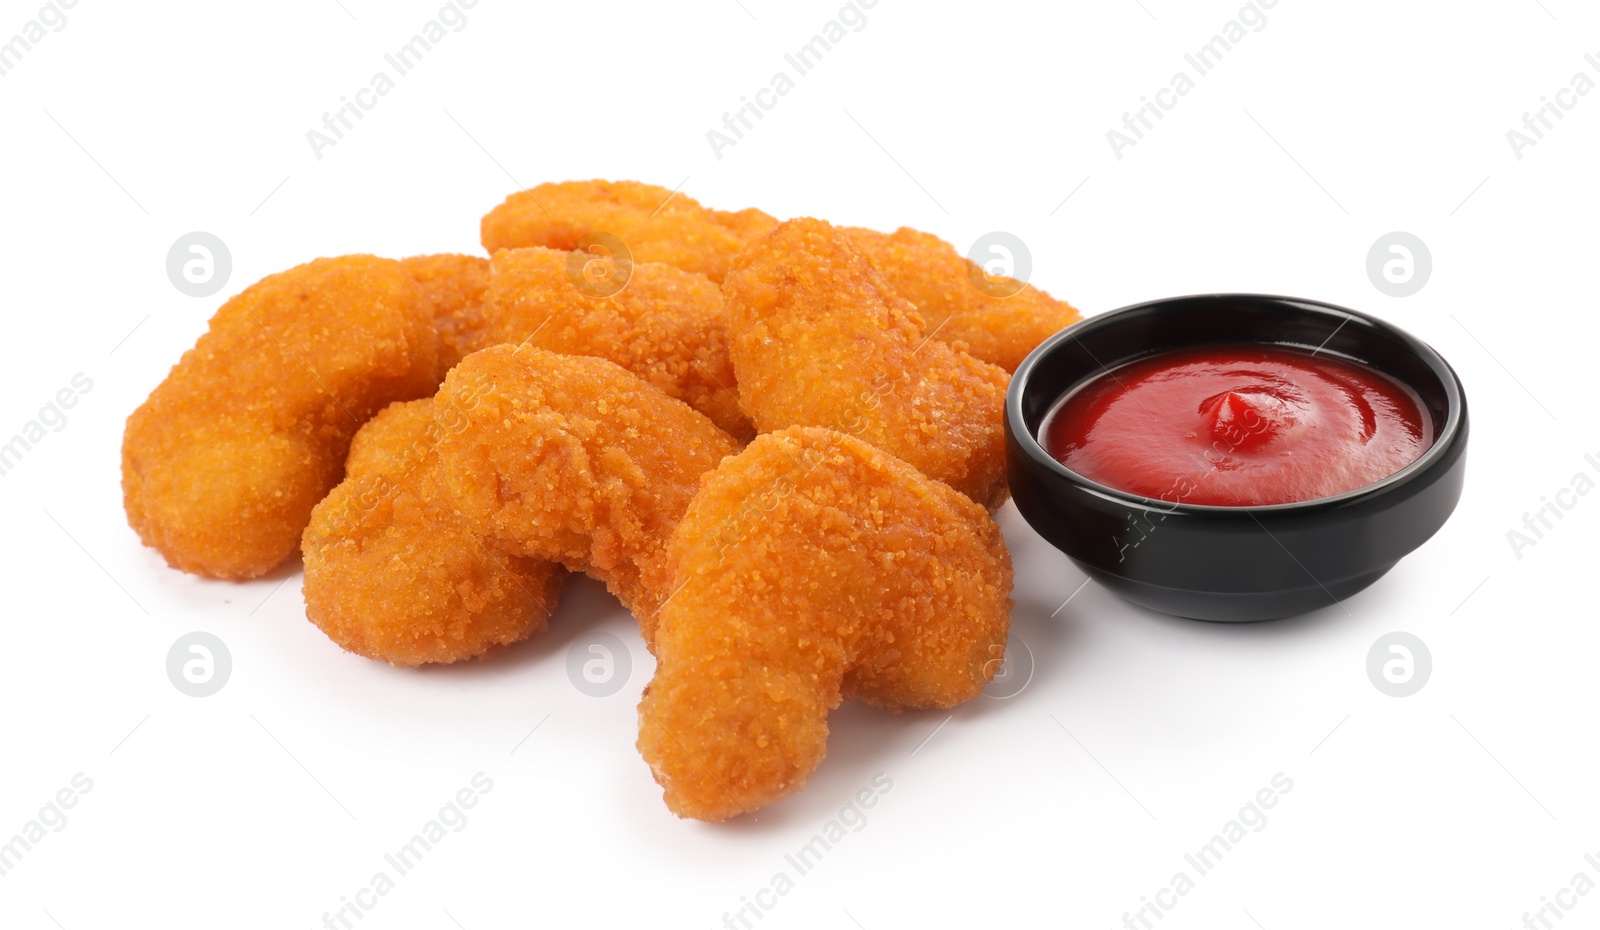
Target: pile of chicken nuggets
<point>778,444</point>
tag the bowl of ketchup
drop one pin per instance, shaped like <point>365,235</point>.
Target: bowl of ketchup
<point>1235,457</point>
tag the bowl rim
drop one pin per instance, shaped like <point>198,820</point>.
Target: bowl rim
<point>1449,435</point>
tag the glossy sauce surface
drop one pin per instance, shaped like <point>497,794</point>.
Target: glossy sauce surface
<point>1238,425</point>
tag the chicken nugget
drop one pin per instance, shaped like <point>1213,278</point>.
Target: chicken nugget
<point>819,338</point>
<point>573,459</point>
<point>394,574</point>
<point>748,225</point>
<point>223,463</point>
<point>664,324</point>
<point>656,224</point>
<point>999,319</point>
<point>454,286</point>
<point>812,567</point>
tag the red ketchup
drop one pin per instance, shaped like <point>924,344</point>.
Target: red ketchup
<point>1238,425</point>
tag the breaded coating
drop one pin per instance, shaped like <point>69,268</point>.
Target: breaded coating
<point>223,463</point>
<point>454,286</point>
<point>666,325</point>
<point>656,224</point>
<point>812,567</point>
<point>573,459</point>
<point>748,225</point>
<point>819,338</point>
<point>393,574</point>
<point>1000,319</point>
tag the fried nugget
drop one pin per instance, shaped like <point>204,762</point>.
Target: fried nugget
<point>663,324</point>
<point>223,463</point>
<point>394,574</point>
<point>812,567</point>
<point>999,319</point>
<point>748,225</point>
<point>454,286</point>
<point>573,459</point>
<point>656,224</point>
<point>819,338</point>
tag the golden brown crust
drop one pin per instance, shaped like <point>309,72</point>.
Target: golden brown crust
<point>656,224</point>
<point>748,225</point>
<point>223,463</point>
<point>454,286</point>
<point>999,321</point>
<point>665,325</point>
<point>575,460</point>
<point>812,567</point>
<point>393,574</point>
<point>819,338</point>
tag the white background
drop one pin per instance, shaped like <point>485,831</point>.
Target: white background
<point>1138,735</point>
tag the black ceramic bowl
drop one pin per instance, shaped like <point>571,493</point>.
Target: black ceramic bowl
<point>1233,563</point>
